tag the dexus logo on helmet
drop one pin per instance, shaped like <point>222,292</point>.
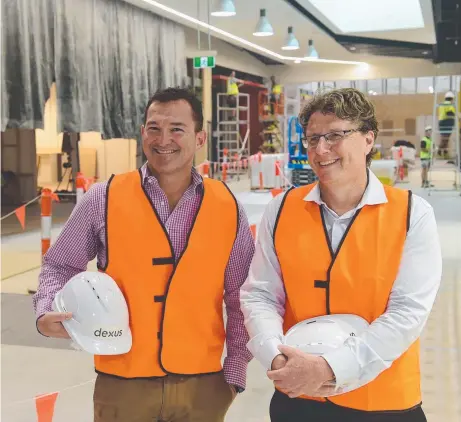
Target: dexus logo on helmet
<point>108,333</point>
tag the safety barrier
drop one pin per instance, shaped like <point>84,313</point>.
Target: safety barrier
<point>45,405</point>
<point>29,258</point>
<point>47,199</point>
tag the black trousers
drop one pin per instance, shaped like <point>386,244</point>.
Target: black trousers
<point>284,409</point>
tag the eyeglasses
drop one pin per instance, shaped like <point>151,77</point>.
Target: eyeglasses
<point>332,138</point>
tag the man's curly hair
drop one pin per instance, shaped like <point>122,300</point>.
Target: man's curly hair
<point>347,104</point>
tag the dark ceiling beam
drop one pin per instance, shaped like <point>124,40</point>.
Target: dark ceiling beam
<point>447,23</point>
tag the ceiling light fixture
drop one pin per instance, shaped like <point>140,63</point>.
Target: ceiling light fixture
<point>291,43</point>
<point>263,27</point>
<point>224,8</point>
<point>311,51</point>
<point>240,40</point>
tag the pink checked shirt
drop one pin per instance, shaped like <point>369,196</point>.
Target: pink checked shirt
<point>83,238</point>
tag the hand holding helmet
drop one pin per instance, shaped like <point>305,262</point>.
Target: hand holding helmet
<point>302,374</point>
<point>315,337</point>
<point>93,313</point>
<point>50,324</point>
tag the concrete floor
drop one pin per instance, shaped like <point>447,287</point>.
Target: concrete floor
<point>33,365</point>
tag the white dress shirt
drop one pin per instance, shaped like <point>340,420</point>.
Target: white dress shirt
<point>363,357</point>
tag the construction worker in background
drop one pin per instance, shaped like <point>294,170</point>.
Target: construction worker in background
<point>446,122</point>
<point>233,85</point>
<point>425,155</point>
<point>276,90</point>
<point>155,232</point>
<point>345,245</point>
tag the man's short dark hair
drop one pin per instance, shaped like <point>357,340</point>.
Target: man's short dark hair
<point>175,94</point>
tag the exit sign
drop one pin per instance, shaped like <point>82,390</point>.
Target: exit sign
<point>204,62</point>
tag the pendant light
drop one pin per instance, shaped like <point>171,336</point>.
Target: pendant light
<point>311,51</point>
<point>224,8</point>
<point>263,28</point>
<point>291,43</point>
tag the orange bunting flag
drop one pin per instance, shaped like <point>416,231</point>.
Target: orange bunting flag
<point>253,230</point>
<point>55,197</point>
<point>21,214</point>
<point>276,191</point>
<point>45,407</point>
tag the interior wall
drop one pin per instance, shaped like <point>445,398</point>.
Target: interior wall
<point>98,158</point>
<point>18,166</point>
<point>394,110</point>
<point>207,99</point>
<point>377,68</point>
<point>228,55</point>
<point>48,140</point>
<point>113,156</point>
<point>255,140</point>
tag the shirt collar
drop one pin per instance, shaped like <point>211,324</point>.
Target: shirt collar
<point>374,193</point>
<point>197,180</point>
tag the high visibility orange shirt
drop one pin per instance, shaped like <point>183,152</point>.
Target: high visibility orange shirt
<point>175,306</point>
<point>357,279</point>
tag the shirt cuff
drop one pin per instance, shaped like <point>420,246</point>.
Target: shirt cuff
<point>235,371</point>
<point>43,307</point>
<point>36,325</point>
<point>265,351</point>
<point>344,365</point>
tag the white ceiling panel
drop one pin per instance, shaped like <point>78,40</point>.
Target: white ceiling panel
<point>239,28</point>
<point>371,15</point>
<point>399,20</point>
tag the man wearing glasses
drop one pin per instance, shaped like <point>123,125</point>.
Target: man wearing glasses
<point>345,245</point>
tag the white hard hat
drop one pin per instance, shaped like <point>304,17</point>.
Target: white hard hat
<point>449,94</point>
<point>100,320</point>
<point>324,334</point>
<point>427,128</point>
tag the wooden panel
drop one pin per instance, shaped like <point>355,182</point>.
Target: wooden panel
<point>88,161</point>
<point>10,158</point>
<point>9,137</point>
<point>410,127</point>
<point>388,124</point>
<point>27,153</point>
<point>19,157</point>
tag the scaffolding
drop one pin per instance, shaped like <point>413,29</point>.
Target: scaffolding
<point>450,164</point>
<point>233,120</point>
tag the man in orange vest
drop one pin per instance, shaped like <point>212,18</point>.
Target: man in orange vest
<point>345,245</point>
<point>178,246</point>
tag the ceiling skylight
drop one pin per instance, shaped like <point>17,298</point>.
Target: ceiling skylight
<point>371,15</point>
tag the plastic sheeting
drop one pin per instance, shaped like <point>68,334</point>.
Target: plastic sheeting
<point>107,58</point>
<point>27,61</point>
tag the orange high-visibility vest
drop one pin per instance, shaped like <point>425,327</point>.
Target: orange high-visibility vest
<point>356,280</point>
<point>176,309</point>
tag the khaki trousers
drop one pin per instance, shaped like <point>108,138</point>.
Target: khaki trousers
<point>174,398</point>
